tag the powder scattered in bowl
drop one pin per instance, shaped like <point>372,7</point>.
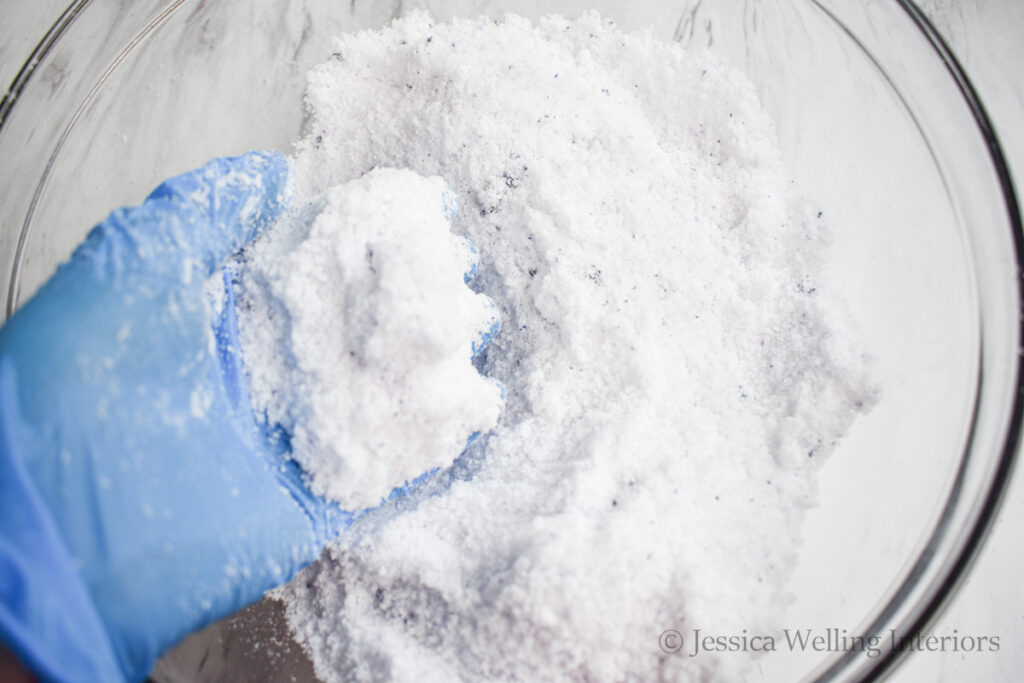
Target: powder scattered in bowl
<point>675,366</point>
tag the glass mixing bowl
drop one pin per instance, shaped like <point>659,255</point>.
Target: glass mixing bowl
<point>877,123</point>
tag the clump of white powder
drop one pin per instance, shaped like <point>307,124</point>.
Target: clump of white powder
<point>367,362</point>
<point>675,370</point>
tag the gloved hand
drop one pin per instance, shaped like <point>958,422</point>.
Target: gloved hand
<point>139,497</point>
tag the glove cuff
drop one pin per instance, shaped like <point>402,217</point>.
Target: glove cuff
<point>47,616</point>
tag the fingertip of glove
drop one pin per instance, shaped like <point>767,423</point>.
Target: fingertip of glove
<point>449,202</point>
<point>267,178</point>
<point>203,215</point>
<point>470,256</point>
<point>487,334</point>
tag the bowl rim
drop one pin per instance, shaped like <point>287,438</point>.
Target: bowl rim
<point>954,569</point>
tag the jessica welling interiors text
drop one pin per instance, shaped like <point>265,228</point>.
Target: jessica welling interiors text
<point>697,642</point>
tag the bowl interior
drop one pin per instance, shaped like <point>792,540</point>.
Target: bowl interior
<point>873,129</point>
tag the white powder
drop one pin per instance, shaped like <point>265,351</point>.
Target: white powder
<point>675,369</point>
<point>361,333</point>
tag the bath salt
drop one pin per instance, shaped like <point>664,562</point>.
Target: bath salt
<point>360,331</point>
<point>676,367</point>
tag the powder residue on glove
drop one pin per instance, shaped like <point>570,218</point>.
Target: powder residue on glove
<point>676,368</point>
<point>359,333</point>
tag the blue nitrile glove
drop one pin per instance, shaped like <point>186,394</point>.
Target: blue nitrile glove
<point>139,499</point>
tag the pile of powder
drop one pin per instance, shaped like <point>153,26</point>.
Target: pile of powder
<point>675,369</point>
<point>359,332</point>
